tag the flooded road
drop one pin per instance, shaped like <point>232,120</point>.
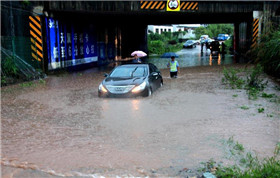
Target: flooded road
<point>190,57</point>
<point>59,126</point>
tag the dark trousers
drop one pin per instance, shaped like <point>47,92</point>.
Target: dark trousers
<point>173,74</point>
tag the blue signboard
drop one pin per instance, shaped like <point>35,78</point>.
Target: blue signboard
<point>69,45</point>
<point>52,44</point>
<point>62,44</point>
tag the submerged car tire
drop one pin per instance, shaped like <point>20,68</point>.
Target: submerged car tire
<point>149,92</point>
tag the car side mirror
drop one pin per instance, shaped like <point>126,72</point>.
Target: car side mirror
<point>154,74</point>
<point>106,75</point>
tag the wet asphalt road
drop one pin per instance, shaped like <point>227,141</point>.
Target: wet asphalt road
<point>59,126</point>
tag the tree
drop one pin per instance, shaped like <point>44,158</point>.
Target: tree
<point>214,29</point>
<point>200,31</point>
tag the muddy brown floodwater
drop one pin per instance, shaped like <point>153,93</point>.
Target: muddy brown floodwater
<point>61,128</point>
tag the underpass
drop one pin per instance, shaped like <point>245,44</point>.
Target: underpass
<point>57,38</point>
<point>58,127</point>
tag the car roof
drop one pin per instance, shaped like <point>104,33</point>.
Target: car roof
<point>133,64</point>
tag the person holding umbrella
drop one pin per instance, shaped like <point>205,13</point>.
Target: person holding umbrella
<point>137,55</point>
<point>136,59</point>
<point>174,67</point>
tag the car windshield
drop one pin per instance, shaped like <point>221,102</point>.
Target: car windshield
<point>189,41</point>
<point>221,35</point>
<point>129,71</point>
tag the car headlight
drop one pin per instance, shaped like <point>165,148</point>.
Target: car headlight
<point>139,87</point>
<point>102,88</point>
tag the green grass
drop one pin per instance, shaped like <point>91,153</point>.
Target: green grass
<point>251,82</point>
<point>244,107</point>
<point>27,84</point>
<point>265,95</point>
<point>247,166</point>
<point>260,110</point>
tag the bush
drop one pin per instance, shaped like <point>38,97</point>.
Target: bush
<point>267,52</point>
<point>165,42</point>
<point>253,83</point>
<point>228,46</point>
<point>248,165</point>
<point>231,78</point>
<point>9,67</point>
<point>8,70</point>
<point>156,47</point>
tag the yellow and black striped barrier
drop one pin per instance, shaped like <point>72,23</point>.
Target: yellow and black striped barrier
<point>36,38</point>
<point>160,5</point>
<point>189,5</point>
<point>153,4</point>
<point>255,32</point>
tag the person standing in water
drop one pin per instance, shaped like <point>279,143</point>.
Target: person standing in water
<point>174,67</point>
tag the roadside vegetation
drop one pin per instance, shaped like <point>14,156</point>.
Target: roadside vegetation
<point>15,69</point>
<point>253,82</point>
<point>267,52</point>
<point>246,163</point>
<point>213,30</point>
<point>249,79</point>
<point>9,71</point>
<point>165,42</point>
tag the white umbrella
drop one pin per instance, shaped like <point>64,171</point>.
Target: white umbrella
<point>139,53</point>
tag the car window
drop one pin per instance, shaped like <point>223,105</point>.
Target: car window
<point>156,69</point>
<point>153,68</point>
<point>129,71</point>
<point>139,72</point>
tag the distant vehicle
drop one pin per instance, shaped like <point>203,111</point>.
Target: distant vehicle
<point>223,37</point>
<point>215,47</point>
<point>190,44</point>
<point>131,80</point>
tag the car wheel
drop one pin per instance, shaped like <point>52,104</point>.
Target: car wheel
<point>149,91</point>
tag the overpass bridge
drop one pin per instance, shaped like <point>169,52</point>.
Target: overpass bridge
<point>70,33</point>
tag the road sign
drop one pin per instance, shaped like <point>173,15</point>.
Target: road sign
<point>173,5</point>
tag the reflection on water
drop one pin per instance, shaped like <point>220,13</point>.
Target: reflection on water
<point>135,104</point>
<point>194,59</point>
<point>211,59</point>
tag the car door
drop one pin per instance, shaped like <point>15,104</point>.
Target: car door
<point>152,77</point>
<point>156,75</point>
